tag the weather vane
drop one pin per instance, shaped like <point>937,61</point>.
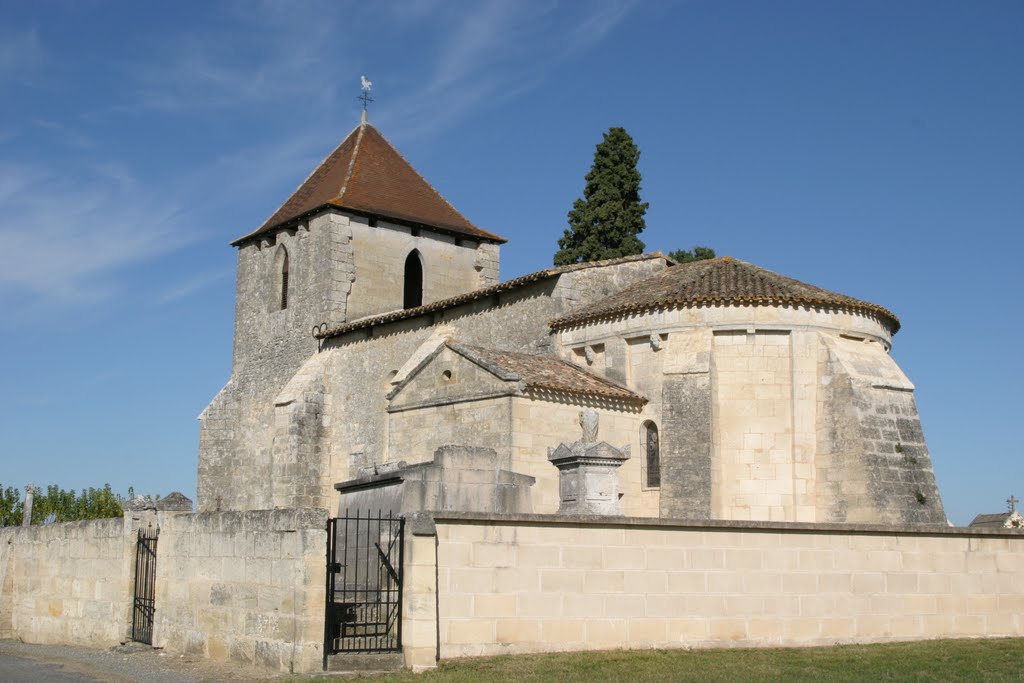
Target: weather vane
<point>365,98</point>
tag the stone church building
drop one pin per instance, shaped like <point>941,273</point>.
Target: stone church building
<point>630,453</point>
<point>373,336</point>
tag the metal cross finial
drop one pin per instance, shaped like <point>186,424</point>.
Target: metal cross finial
<point>1012,502</point>
<point>366,85</point>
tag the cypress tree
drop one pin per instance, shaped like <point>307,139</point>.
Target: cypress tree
<point>605,222</point>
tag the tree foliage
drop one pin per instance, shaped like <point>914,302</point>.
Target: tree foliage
<point>10,506</point>
<point>54,504</point>
<point>695,254</point>
<point>605,222</point>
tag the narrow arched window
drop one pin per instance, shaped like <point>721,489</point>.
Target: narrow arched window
<point>413,294</point>
<point>281,279</point>
<point>652,455</point>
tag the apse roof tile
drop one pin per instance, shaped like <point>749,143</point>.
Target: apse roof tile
<point>718,281</point>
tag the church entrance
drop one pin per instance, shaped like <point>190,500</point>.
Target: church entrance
<point>364,583</point>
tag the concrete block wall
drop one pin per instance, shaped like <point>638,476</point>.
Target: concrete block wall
<point>244,586</point>
<point>66,583</point>
<point>533,583</point>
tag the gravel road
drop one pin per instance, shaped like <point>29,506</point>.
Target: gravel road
<point>23,663</point>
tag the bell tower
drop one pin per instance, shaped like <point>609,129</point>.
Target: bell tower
<point>364,234</point>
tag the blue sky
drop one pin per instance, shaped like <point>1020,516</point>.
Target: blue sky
<point>873,148</point>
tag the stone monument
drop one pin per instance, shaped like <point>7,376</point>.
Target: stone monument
<point>588,471</point>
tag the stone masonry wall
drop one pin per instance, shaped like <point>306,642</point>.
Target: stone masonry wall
<point>874,463</point>
<point>451,266</point>
<point>270,344</point>
<point>686,447</point>
<point>541,424</point>
<point>414,435</point>
<point>753,459</point>
<point>771,413</point>
<point>362,362</point>
<point>296,465</point>
<point>66,583</point>
<point>244,586</point>
<point>339,268</point>
<point>360,369</point>
<point>492,584</point>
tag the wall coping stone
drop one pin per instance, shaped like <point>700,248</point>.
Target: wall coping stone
<point>723,525</point>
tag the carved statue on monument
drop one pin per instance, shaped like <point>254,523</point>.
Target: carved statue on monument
<point>589,422</point>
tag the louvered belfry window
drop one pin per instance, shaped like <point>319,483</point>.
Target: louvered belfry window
<point>652,454</point>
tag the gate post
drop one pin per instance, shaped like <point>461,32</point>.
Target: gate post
<point>420,644</point>
<point>139,512</point>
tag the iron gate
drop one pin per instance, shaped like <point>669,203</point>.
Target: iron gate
<point>145,581</point>
<point>364,583</point>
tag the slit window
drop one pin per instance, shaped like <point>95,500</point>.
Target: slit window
<point>284,285</point>
<point>652,455</point>
<point>279,302</point>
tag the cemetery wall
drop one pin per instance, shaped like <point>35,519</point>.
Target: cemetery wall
<point>244,586</point>
<point>239,586</point>
<point>532,583</point>
<point>66,583</point>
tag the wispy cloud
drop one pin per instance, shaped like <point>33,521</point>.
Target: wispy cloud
<point>193,285</point>
<point>19,51</point>
<point>497,51</point>
<point>473,55</point>
<point>64,237</point>
<point>65,133</point>
<point>269,52</point>
<point>71,230</point>
<point>593,28</point>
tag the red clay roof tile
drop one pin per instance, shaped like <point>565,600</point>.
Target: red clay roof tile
<point>719,282</point>
<point>366,174</point>
<point>548,372</point>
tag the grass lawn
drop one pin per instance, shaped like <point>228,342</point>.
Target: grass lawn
<point>936,660</point>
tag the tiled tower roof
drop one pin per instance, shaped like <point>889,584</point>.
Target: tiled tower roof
<point>365,174</point>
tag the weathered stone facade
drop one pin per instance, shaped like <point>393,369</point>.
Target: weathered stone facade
<point>328,283</point>
<point>772,399</point>
<point>241,586</point>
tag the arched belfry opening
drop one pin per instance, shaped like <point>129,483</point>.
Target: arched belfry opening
<point>413,293</point>
<point>280,301</point>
